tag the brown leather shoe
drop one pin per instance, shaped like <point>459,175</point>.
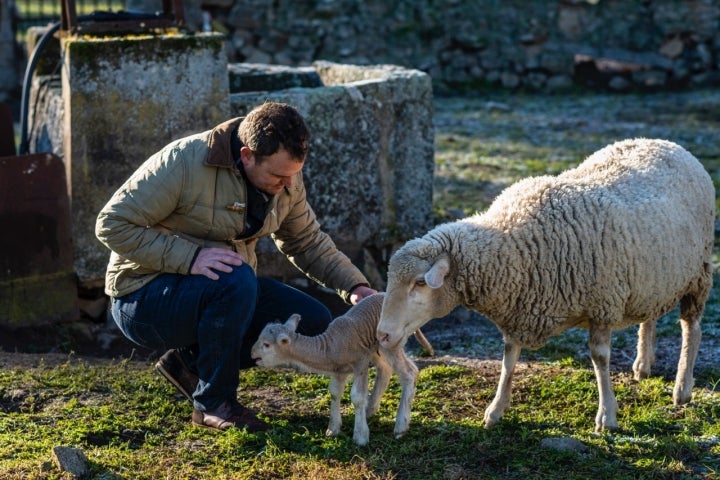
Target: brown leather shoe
<point>172,366</point>
<point>229,415</point>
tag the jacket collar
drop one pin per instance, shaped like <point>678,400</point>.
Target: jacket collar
<point>219,144</point>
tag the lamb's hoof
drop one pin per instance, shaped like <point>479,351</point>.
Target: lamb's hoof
<point>331,433</point>
<point>400,434</point>
<point>609,428</point>
<point>360,441</point>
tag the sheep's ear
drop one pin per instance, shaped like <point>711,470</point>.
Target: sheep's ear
<point>436,275</point>
<point>283,339</point>
<point>293,321</point>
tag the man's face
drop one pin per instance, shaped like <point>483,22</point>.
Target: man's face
<point>274,173</point>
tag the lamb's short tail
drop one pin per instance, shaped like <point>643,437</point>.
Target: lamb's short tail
<point>420,337</point>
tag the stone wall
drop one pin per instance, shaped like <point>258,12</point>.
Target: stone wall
<point>535,45</point>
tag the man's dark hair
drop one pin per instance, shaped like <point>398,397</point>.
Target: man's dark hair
<point>272,126</point>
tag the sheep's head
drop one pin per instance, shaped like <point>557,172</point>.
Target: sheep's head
<point>417,291</point>
<point>273,341</point>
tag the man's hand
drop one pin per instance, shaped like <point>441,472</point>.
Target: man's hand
<point>219,259</point>
<point>361,292</point>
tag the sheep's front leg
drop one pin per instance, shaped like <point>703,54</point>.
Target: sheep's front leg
<point>337,387</point>
<point>690,312</point>
<point>606,417</point>
<point>501,401</point>
<point>383,373</point>
<point>359,397</point>
<point>407,375</point>
<point>645,350</point>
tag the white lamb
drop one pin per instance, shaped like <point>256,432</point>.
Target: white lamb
<point>617,241</point>
<point>346,347</point>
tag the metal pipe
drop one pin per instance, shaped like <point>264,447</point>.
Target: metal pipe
<point>24,104</point>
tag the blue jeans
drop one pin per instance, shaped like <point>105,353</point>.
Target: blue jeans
<point>213,323</point>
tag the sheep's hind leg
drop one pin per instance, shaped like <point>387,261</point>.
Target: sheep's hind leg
<point>383,373</point>
<point>407,373</point>
<point>337,387</point>
<point>691,309</point>
<point>645,350</point>
<point>606,417</point>
<point>501,401</point>
<point>359,397</point>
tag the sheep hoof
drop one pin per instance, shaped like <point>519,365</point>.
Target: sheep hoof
<point>681,399</point>
<point>331,433</point>
<point>491,420</point>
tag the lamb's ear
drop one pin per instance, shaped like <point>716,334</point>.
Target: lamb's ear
<point>436,275</point>
<point>283,339</point>
<point>293,321</point>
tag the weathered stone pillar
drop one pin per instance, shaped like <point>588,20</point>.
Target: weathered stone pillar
<point>125,98</point>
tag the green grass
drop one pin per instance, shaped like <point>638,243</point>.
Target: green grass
<point>495,140</point>
<point>130,424</point>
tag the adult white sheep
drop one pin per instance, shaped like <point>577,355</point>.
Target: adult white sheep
<point>347,346</point>
<point>617,241</point>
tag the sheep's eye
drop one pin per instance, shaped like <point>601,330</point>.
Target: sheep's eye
<point>420,282</point>
<point>266,345</point>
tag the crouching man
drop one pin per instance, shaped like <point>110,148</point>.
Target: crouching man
<point>182,232</point>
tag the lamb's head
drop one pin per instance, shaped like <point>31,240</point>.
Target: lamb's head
<point>417,291</point>
<point>269,350</point>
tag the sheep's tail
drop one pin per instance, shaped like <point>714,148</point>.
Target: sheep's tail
<point>420,337</point>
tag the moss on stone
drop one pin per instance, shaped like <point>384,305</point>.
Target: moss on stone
<point>38,299</point>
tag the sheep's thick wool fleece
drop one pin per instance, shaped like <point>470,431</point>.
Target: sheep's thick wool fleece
<point>620,239</point>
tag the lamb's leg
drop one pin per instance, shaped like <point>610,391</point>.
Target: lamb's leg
<point>691,308</point>
<point>407,376</point>
<point>359,397</point>
<point>383,373</point>
<point>501,402</point>
<point>645,350</point>
<point>337,387</point>
<point>606,417</point>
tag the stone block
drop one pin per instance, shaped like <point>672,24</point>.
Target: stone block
<point>370,168</point>
<point>249,77</point>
